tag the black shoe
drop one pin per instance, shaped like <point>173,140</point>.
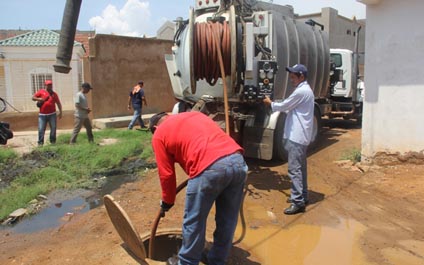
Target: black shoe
<point>294,209</point>
<point>289,200</point>
<point>204,257</point>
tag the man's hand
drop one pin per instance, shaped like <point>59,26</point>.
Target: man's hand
<point>267,101</point>
<point>165,206</point>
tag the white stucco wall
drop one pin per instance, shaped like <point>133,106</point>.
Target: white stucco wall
<point>393,117</point>
<point>18,64</point>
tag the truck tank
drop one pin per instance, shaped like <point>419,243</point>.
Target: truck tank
<point>297,42</point>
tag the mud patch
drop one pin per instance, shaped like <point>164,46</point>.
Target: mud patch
<point>108,141</point>
<point>337,243</point>
<point>390,159</point>
<point>409,252</point>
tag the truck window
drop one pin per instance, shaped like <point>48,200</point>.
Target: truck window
<point>337,59</point>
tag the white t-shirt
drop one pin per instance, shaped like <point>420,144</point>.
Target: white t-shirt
<point>299,107</point>
<point>81,101</point>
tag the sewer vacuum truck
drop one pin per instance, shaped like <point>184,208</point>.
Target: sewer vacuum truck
<point>229,55</point>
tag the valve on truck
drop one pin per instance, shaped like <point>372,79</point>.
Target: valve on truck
<point>265,82</point>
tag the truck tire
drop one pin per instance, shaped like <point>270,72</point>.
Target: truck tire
<point>279,153</point>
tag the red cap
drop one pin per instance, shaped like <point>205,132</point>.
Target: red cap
<point>48,82</point>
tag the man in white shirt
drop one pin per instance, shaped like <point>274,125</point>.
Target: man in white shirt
<point>81,114</point>
<point>299,107</point>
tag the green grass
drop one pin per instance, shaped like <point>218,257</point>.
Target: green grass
<point>7,154</point>
<point>71,166</point>
<point>353,155</point>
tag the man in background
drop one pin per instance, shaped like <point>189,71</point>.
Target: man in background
<point>47,100</point>
<point>81,114</point>
<point>136,99</point>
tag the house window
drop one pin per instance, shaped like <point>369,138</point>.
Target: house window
<point>348,32</point>
<point>37,81</point>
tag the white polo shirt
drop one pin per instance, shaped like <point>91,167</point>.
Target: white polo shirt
<point>299,107</point>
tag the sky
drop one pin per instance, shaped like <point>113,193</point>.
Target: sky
<point>134,17</point>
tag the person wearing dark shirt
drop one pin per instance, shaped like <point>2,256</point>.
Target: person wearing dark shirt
<point>136,99</point>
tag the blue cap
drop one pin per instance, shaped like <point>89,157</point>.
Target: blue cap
<point>298,68</point>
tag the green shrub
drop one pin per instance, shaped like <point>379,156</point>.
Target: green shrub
<point>353,155</point>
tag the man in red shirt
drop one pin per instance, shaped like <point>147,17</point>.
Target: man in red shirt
<point>47,100</point>
<point>217,173</point>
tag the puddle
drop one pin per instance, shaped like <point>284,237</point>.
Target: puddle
<point>302,244</point>
<point>63,206</point>
<point>52,216</point>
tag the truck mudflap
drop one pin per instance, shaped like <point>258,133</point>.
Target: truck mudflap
<point>258,135</point>
<point>258,142</point>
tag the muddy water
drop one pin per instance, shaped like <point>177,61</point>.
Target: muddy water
<point>53,216</point>
<point>63,206</point>
<point>271,242</point>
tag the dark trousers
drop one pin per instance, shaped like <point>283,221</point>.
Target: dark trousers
<point>78,123</point>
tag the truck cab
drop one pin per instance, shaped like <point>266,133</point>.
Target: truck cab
<point>347,93</point>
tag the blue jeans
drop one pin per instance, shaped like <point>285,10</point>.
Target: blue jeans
<point>222,183</point>
<point>136,117</point>
<point>297,171</point>
<point>42,124</point>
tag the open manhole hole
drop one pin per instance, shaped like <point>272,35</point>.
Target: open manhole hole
<point>167,242</point>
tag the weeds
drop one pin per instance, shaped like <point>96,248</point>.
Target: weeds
<point>7,154</point>
<point>353,155</point>
<point>64,166</point>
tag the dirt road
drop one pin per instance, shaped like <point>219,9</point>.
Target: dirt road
<point>355,217</point>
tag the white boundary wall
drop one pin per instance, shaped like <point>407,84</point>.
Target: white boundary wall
<point>393,120</point>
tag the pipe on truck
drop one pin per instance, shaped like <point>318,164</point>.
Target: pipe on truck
<point>67,36</point>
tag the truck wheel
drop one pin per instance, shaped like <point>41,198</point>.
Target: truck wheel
<point>279,153</point>
<point>316,130</point>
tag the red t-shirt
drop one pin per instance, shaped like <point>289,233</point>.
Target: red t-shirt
<point>49,105</point>
<point>192,140</point>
